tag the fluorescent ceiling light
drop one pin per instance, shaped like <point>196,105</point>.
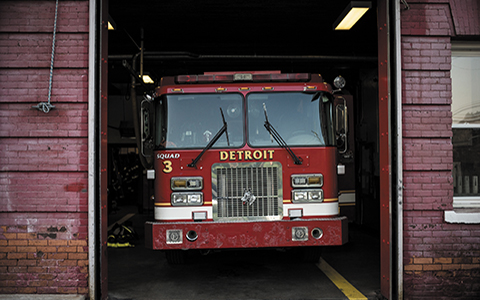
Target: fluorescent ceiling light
<point>351,14</point>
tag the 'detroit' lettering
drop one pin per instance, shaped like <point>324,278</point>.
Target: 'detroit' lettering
<point>245,155</point>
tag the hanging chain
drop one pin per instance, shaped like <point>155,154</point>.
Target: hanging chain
<point>42,106</point>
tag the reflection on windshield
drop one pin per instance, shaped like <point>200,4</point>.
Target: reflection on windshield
<point>191,121</point>
<point>301,119</point>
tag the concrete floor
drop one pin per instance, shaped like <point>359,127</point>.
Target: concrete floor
<point>138,273</point>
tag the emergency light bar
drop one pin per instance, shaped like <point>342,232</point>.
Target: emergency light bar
<point>252,77</point>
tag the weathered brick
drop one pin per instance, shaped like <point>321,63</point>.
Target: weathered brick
<point>413,268</point>
<point>22,122</point>
<point>47,249</point>
<point>57,242</point>
<point>58,256</point>
<point>47,290</point>
<point>5,277</point>
<point>82,262</point>
<point>36,255</point>
<point>47,263</point>
<point>451,266</point>
<point>17,242</point>
<point>8,290</point>
<point>470,266</point>
<point>443,260</point>
<point>36,269</point>
<point>432,267</point>
<point>10,236</point>
<point>26,236</point>
<point>26,249</point>
<point>67,249</point>
<point>8,262</point>
<point>22,58</point>
<point>67,263</point>
<point>67,290</point>
<point>46,276</point>
<point>12,92</point>
<point>78,243</point>
<point>27,262</point>
<point>471,240</point>
<point>422,260</point>
<point>17,269</point>
<point>15,255</point>
<point>44,186</point>
<point>26,290</point>
<point>77,256</point>
<point>36,242</point>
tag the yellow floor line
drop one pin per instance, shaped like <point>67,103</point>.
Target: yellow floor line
<point>343,285</point>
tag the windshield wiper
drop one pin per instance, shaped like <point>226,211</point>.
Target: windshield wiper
<point>278,138</point>
<point>194,162</point>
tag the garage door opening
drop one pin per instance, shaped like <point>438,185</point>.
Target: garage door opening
<point>268,48</point>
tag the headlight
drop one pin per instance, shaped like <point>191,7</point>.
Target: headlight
<point>300,196</point>
<point>186,183</point>
<point>307,180</point>
<point>304,196</point>
<point>184,199</point>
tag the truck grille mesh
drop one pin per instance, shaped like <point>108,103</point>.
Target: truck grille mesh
<point>230,183</point>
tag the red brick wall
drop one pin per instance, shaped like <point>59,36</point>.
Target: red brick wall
<point>43,157</point>
<point>441,260</point>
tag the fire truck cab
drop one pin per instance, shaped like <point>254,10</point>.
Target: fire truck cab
<point>244,160</point>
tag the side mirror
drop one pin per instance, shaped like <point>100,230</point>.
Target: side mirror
<point>341,126</point>
<point>147,128</point>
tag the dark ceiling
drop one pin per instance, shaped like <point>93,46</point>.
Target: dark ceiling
<point>192,36</point>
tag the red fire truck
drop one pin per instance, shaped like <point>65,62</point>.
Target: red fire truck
<point>244,160</point>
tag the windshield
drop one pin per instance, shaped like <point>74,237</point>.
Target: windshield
<point>301,119</point>
<point>192,120</point>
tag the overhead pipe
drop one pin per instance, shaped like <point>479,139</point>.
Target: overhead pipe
<point>192,56</point>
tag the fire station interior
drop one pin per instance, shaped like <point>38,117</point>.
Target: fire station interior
<point>193,37</point>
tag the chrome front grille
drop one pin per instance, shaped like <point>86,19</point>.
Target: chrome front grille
<point>247,191</point>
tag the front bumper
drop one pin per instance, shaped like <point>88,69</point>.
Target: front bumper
<point>220,235</point>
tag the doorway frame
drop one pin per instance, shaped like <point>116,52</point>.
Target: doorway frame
<point>97,154</point>
<point>97,149</point>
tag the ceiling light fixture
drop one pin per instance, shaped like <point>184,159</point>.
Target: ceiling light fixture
<point>351,14</point>
<point>111,23</point>
<point>147,79</point>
